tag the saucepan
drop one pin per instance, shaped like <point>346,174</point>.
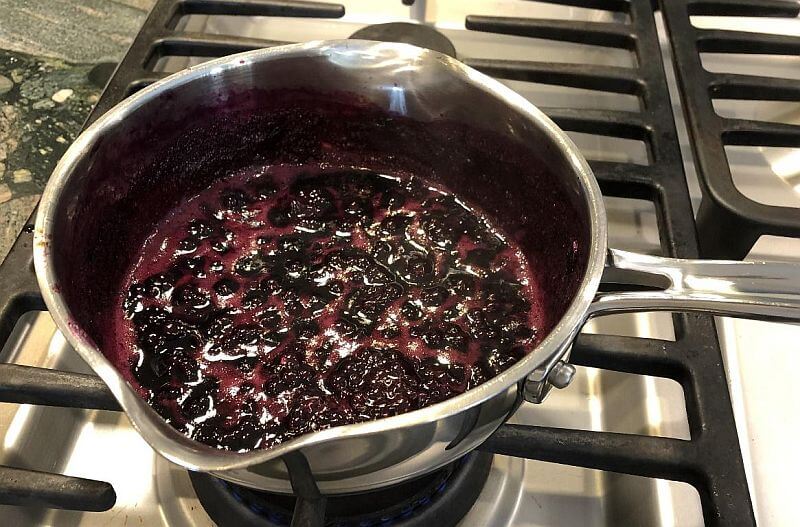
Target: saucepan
<point>126,170</point>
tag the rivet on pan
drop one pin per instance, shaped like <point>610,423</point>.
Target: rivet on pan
<point>561,374</point>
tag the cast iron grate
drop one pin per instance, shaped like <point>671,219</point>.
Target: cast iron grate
<point>729,223</point>
<point>711,461</point>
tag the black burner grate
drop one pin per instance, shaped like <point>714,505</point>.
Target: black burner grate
<point>710,461</point>
<point>729,223</point>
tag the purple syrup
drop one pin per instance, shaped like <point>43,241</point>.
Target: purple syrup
<point>287,299</point>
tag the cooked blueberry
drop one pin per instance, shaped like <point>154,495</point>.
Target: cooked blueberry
<point>377,382</point>
<point>311,200</point>
<point>359,210</point>
<point>393,199</point>
<point>200,399</point>
<point>246,434</point>
<point>270,318</point>
<point>158,285</point>
<point>250,264</point>
<point>280,216</point>
<point>234,200</point>
<point>494,360</point>
<point>395,224</point>
<point>191,303</point>
<point>289,373</point>
<point>188,245</point>
<point>434,296</point>
<point>292,243</point>
<point>415,268</point>
<point>441,380</point>
<point>335,287</point>
<point>390,332</point>
<point>199,229</point>
<point>226,286</point>
<point>461,283</point>
<point>255,297</point>
<point>365,305</point>
<point>221,246</point>
<point>305,329</point>
<point>441,335</point>
<point>219,326</point>
<point>411,311</point>
<point>194,266</point>
<point>317,412</point>
<point>263,188</point>
<point>481,258</point>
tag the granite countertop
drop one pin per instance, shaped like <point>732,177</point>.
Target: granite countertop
<point>51,56</point>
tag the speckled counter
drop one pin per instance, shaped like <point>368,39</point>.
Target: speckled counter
<point>49,50</point>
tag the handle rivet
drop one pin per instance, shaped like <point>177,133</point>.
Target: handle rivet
<point>561,374</point>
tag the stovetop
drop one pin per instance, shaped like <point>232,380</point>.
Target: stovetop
<point>102,445</point>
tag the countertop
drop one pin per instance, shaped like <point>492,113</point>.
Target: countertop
<point>55,56</point>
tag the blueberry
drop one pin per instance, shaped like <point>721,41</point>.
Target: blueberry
<point>358,210</point>
<point>434,296</point>
<point>250,264</point>
<point>218,327</point>
<point>311,200</point>
<point>393,199</point>
<point>292,243</point>
<point>415,268</point>
<point>262,188</point>
<point>481,258</point>
<point>201,398</point>
<point>158,285</point>
<point>280,216</point>
<point>234,200</point>
<point>365,305</point>
<point>377,382</point>
<point>199,229</point>
<point>390,332</point>
<point>317,413</point>
<point>441,335</point>
<point>246,435</point>
<point>305,329</point>
<point>411,311</point>
<point>441,380</point>
<point>226,286</point>
<point>255,297</point>
<point>288,373</point>
<point>191,303</point>
<point>221,246</point>
<point>188,245</point>
<point>461,283</point>
<point>496,359</point>
<point>194,266</point>
<point>395,224</point>
<point>270,318</point>
<point>149,377</point>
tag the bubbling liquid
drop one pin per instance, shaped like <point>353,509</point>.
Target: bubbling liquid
<point>288,299</point>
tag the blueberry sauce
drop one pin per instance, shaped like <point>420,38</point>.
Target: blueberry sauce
<point>288,299</point>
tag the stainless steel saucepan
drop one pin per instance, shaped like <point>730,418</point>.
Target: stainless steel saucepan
<point>90,189</point>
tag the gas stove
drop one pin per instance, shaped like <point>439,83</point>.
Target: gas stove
<point>650,396</point>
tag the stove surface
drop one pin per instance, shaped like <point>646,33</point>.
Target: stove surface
<point>151,491</point>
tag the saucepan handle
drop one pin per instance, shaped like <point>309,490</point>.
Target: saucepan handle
<point>758,290</point>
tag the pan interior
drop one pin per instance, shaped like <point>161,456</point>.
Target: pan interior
<point>366,112</point>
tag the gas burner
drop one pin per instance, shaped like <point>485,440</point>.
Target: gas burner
<point>417,34</point>
<point>440,498</point>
